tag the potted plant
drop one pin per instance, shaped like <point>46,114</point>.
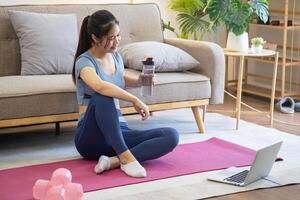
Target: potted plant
<point>257,44</point>
<point>205,15</point>
<point>191,17</point>
<point>236,16</point>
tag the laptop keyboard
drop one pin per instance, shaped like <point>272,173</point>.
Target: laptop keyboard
<point>238,178</point>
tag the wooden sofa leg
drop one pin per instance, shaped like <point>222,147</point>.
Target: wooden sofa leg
<point>57,128</point>
<point>198,119</point>
<point>203,113</point>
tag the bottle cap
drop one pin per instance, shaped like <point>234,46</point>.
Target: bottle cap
<point>148,61</point>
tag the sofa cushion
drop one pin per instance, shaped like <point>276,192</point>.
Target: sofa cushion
<point>173,87</point>
<point>14,86</point>
<point>48,41</point>
<point>26,96</point>
<point>166,58</point>
<point>38,105</point>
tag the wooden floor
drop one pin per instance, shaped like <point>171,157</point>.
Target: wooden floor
<point>262,104</point>
<point>281,193</point>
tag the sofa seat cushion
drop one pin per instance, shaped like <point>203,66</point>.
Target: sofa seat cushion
<point>38,95</point>
<point>15,86</point>
<point>173,87</point>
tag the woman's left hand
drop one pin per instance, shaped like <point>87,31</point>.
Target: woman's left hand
<point>141,108</point>
<point>141,79</point>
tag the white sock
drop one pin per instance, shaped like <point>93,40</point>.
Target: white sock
<point>102,165</point>
<point>134,169</point>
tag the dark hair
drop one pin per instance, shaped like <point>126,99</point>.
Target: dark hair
<point>99,24</point>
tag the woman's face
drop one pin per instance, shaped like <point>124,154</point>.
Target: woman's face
<point>110,42</point>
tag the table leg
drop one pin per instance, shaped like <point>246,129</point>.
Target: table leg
<point>239,92</point>
<point>226,72</point>
<point>246,72</point>
<point>273,89</point>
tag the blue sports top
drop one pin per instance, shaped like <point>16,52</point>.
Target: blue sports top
<point>84,92</point>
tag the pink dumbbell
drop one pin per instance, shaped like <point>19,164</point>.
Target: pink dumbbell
<point>74,191</point>
<point>59,187</point>
<point>61,176</point>
<point>40,188</point>
<point>55,193</point>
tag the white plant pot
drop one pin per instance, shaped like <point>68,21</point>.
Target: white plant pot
<point>237,42</point>
<point>256,48</point>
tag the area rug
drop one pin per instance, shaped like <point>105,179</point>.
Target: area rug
<point>208,155</point>
<point>36,147</point>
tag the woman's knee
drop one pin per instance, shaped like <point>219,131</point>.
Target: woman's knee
<point>89,155</point>
<point>172,137</point>
<point>101,99</point>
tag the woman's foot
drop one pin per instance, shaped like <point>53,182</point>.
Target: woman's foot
<point>134,169</point>
<point>131,166</point>
<point>106,163</point>
<point>126,161</point>
<point>102,165</point>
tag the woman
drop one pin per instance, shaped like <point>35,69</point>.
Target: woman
<point>102,131</point>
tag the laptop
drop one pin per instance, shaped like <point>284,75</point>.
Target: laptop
<point>260,168</point>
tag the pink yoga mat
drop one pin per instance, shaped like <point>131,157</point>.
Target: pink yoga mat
<point>191,158</point>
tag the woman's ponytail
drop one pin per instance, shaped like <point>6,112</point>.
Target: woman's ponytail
<point>84,43</point>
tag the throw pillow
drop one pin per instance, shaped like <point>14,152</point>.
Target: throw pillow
<point>47,41</point>
<point>166,58</point>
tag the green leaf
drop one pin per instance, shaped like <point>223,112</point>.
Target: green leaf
<point>184,36</point>
<point>187,6</point>
<point>217,9</point>
<point>190,24</point>
<point>261,8</point>
<point>167,26</point>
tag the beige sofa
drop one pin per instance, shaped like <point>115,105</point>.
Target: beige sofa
<point>36,99</point>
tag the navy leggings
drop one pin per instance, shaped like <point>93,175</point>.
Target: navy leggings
<point>100,133</point>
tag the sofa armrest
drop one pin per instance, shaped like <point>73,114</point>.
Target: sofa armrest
<point>212,63</point>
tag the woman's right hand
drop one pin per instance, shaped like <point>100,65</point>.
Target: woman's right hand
<point>141,108</point>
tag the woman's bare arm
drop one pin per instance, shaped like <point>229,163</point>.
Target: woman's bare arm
<point>90,77</point>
